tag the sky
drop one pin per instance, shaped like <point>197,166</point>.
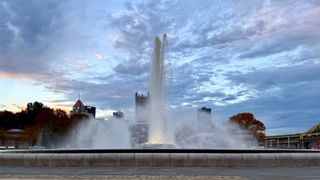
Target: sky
<point>258,56</point>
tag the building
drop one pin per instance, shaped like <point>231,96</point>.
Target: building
<point>140,129</point>
<point>80,109</point>
<point>142,108</point>
<point>118,114</point>
<point>91,110</point>
<point>306,140</point>
<point>204,118</point>
<point>17,138</point>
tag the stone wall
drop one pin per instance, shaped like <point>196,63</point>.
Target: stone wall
<point>160,159</point>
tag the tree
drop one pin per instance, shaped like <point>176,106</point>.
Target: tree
<point>247,121</point>
<point>35,107</point>
<point>22,119</point>
<point>60,123</point>
<point>33,111</point>
<point>8,120</point>
<point>53,125</point>
<point>2,135</point>
<point>37,120</point>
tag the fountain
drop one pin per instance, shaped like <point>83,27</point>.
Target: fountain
<point>110,146</point>
<point>206,135</point>
<point>158,125</point>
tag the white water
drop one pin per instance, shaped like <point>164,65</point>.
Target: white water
<point>95,134</point>
<point>158,133</point>
<point>221,134</point>
<point>114,133</point>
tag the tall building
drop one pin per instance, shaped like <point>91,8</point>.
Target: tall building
<point>140,129</point>
<point>204,118</point>
<point>142,108</point>
<point>80,109</point>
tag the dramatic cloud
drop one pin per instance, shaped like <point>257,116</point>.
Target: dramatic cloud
<point>226,55</point>
<point>37,35</point>
<point>284,94</point>
<point>234,56</point>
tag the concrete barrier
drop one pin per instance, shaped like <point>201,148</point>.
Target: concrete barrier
<point>179,159</point>
<point>159,159</point>
<point>197,160</point>
<point>126,160</point>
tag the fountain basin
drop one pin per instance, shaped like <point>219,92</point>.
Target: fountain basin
<point>160,158</point>
<point>157,146</point>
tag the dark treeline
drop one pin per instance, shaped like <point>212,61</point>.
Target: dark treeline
<point>38,120</point>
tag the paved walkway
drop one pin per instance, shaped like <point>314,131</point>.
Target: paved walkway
<point>311,173</point>
<point>122,177</point>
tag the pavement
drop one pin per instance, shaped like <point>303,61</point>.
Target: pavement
<point>311,173</point>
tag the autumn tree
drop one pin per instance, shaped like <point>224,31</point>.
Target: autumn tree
<point>60,125</point>
<point>248,122</point>
<point>52,125</point>
<point>37,120</point>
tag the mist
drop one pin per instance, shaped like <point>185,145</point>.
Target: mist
<point>220,134</point>
<point>98,134</point>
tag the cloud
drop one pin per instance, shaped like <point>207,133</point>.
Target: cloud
<point>132,67</point>
<point>285,95</point>
<point>57,101</point>
<point>82,65</point>
<point>99,57</point>
<point>38,34</point>
<point>19,107</point>
<point>111,92</point>
<point>291,26</point>
<point>272,77</point>
<point>11,75</point>
<point>234,56</point>
<point>225,33</point>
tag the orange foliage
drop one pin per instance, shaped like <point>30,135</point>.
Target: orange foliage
<point>247,121</point>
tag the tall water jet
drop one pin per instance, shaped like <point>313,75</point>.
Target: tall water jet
<point>158,125</point>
